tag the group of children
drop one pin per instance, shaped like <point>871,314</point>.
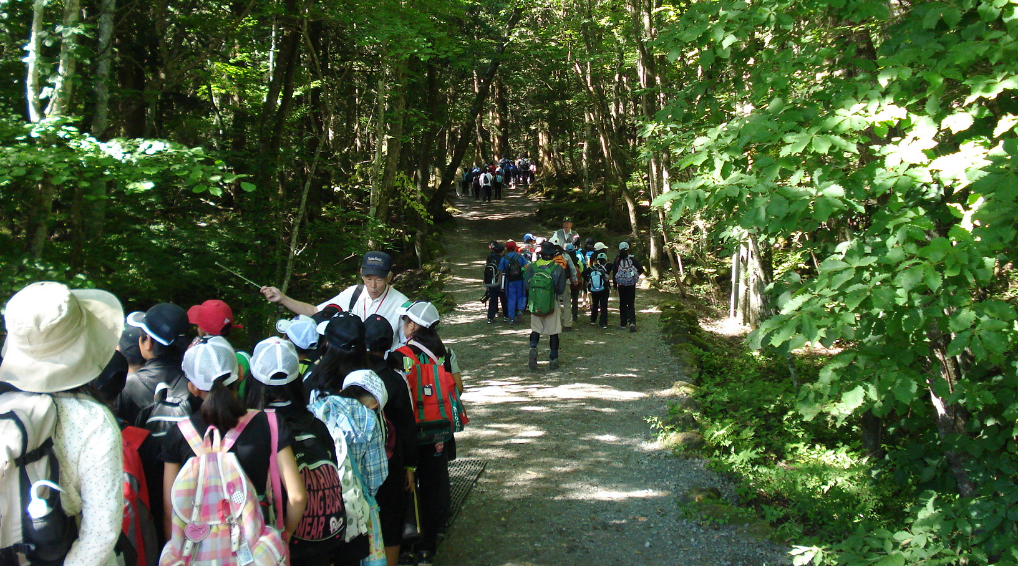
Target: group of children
<point>553,278</point>
<point>327,445</point>
<point>486,181</point>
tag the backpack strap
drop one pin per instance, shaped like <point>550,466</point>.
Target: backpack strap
<point>277,489</point>
<point>234,433</point>
<point>356,295</point>
<point>194,440</point>
<point>427,352</point>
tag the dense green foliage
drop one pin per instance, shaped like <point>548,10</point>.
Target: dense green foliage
<point>878,143</point>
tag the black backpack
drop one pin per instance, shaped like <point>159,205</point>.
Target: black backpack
<point>324,520</point>
<point>492,279</point>
<point>170,405</point>
<point>515,270</point>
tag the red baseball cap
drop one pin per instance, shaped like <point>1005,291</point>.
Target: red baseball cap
<point>212,316</point>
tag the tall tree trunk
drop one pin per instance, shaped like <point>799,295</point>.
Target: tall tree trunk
<point>103,68</point>
<point>949,416</point>
<point>63,87</point>
<point>501,120</point>
<point>393,140</point>
<point>425,161</point>
<point>36,112</point>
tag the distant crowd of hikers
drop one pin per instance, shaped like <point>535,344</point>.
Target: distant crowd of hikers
<point>552,279</point>
<point>486,181</point>
<point>157,442</point>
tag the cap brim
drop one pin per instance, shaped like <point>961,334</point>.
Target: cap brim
<point>374,271</point>
<point>192,314</point>
<point>137,319</point>
<point>78,363</point>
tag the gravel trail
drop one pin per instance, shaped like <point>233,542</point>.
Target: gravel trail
<point>574,475</point>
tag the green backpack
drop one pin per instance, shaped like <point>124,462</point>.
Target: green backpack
<point>542,290</point>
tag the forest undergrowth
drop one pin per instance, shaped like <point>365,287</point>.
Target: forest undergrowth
<point>814,480</point>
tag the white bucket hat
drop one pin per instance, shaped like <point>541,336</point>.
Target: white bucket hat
<point>370,382</point>
<point>58,338</point>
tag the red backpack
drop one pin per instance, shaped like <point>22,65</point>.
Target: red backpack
<point>138,526</point>
<point>437,406</point>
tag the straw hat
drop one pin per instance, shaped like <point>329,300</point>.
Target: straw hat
<point>58,338</point>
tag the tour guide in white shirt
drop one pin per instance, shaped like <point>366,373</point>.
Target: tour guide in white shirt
<point>377,297</point>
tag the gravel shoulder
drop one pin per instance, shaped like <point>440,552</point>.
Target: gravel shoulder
<point>574,474</point>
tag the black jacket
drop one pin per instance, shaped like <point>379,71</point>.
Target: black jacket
<point>140,390</point>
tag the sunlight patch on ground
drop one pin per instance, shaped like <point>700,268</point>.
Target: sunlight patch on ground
<point>588,391</point>
<point>726,327</point>
<point>602,494</point>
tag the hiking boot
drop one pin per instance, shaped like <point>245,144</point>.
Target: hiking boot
<point>632,328</point>
<point>553,363</point>
<point>532,363</point>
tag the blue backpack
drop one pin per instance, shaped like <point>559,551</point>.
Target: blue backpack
<point>598,279</point>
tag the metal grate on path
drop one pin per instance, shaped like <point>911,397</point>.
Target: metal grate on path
<point>463,473</point>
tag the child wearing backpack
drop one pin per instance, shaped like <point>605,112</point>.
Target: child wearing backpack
<point>275,367</point>
<point>627,275</point>
<point>425,356</point>
<point>72,441</point>
<point>545,281</point>
<point>349,398</point>
<point>598,281</point>
<point>576,287</point>
<point>511,267</point>
<point>401,443</point>
<point>493,281</point>
<point>255,454</point>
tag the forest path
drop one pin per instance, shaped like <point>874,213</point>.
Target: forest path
<point>574,475</point>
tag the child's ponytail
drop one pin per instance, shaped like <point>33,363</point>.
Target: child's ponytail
<point>221,408</point>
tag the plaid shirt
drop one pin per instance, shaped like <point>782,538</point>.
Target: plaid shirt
<point>363,433</point>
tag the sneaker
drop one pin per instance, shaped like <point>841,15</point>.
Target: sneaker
<point>505,319</point>
<point>622,326</point>
<point>632,328</point>
<point>491,320</point>
<point>425,558</point>
<point>604,327</point>
<point>593,323</point>
<point>553,363</point>
<point>532,363</point>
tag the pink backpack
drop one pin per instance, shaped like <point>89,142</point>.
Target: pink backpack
<point>216,516</point>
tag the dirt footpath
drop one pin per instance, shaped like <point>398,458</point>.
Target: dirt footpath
<point>573,473</point>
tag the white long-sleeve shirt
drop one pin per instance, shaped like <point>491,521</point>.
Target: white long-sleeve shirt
<point>88,448</point>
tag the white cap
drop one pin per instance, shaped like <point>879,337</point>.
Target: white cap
<point>208,360</point>
<point>600,246</point>
<point>421,312</point>
<point>274,356</point>
<point>302,331</point>
<point>623,245</point>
